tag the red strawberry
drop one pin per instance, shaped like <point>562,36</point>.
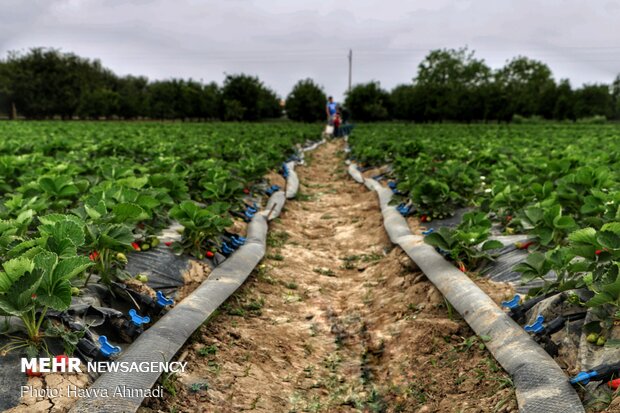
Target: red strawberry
<point>135,246</point>
<point>93,256</point>
<point>62,359</point>
<point>614,384</point>
<point>246,191</point>
<point>523,245</point>
<point>33,296</point>
<point>462,267</point>
<point>598,252</point>
<point>168,243</point>
<point>209,254</point>
<point>423,218</point>
<point>33,373</point>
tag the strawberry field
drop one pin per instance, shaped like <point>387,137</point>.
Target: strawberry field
<point>558,183</point>
<point>76,198</point>
<point>555,188</point>
<point>82,205</point>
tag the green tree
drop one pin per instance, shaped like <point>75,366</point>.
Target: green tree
<point>306,102</point>
<point>454,83</point>
<point>368,102</point>
<point>253,100</point>
<point>615,97</point>
<point>233,110</point>
<point>592,100</point>
<point>191,103</point>
<point>269,104</point>
<point>5,91</point>
<point>403,100</point>
<point>211,98</point>
<point>46,82</point>
<point>527,87</point>
<point>133,96</point>
<point>564,107</point>
<point>176,99</point>
<point>183,99</point>
<point>99,102</point>
<point>163,98</point>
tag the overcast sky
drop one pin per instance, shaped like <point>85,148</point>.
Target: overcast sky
<point>283,41</point>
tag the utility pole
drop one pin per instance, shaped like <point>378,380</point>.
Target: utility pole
<point>350,67</point>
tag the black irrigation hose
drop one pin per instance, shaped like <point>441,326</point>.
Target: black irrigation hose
<point>540,384</point>
<point>163,340</point>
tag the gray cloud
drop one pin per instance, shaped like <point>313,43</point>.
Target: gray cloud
<point>282,41</point>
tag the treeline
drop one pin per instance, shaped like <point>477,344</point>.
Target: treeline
<point>453,85</point>
<point>45,83</point>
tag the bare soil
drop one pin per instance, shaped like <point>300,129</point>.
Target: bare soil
<point>50,393</point>
<point>335,319</point>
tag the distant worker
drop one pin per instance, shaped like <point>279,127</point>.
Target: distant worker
<point>337,121</point>
<point>330,110</point>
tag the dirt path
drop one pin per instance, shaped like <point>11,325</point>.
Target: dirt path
<point>336,319</point>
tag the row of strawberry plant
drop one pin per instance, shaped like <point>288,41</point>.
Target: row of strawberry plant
<point>76,197</point>
<point>558,183</point>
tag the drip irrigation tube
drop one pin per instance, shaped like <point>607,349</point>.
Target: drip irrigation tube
<point>541,385</point>
<point>274,206</point>
<point>292,181</point>
<point>161,341</point>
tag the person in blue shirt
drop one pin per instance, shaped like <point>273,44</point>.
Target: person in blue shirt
<point>330,109</point>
